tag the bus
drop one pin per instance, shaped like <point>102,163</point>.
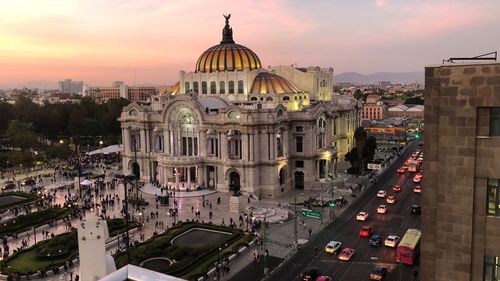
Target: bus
<point>409,247</point>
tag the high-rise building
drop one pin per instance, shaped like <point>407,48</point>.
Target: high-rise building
<point>461,192</point>
<point>71,87</point>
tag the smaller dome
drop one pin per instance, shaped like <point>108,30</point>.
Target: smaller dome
<point>268,83</point>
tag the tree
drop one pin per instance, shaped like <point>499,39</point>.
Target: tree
<point>352,156</point>
<point>369,149</point>
<point>358,94</point>
<point>21,134</point>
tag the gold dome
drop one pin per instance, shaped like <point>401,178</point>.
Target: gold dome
<point>227,56</point>
<point>269,83</point>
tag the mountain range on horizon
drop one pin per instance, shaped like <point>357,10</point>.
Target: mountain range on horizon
<point>345,77</point>
<point>393,77</point>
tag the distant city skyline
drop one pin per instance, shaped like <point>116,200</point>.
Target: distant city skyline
<point>150,41</point>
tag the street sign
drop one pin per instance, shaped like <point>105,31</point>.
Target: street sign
<point>311,214</point>
<point>374,166</point>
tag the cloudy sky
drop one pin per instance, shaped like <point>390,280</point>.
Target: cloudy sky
<point>149,41</point>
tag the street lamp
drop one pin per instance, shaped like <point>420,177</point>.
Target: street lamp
<point>126,179</point>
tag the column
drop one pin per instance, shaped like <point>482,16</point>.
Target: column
<point>327,168</point>
<point>202,143</point>
<point>189,176</point>
<point>166,140</point>
<point>126,139</point>
<point>252,143</point>
<point>223,142</point>
<point>285,142</point>
<point>317,170</point>
<point>176,177</point>
<point>244,147</point>
<point>142,137</point>
<point>171,143</point>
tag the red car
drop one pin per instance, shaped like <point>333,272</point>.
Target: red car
<point>366,231</point>
<point>401,170</point>
<point>397,188</point>
<point>346,254</point>
<point>9,185</point>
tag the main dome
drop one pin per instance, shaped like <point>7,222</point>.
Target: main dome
<point>227,56</point>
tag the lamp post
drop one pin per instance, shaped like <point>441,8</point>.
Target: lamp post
<point>136,176</point>
<point>100,154</point>
<point>126,179</point>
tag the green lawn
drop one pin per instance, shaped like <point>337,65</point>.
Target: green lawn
<point>29,262</point>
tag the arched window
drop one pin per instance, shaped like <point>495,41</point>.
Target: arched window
<point>286,98</point>
<point>269,99</point>
<point>195,87</point>
<point>321,140</point>
<point>231,87</point>
<point>186,86</point>
<point>222,87</point>
<point>213,87</point>
<point>280,112</point>
<point>253,99</point>
<point>204,87</point>
<point>240,87</point>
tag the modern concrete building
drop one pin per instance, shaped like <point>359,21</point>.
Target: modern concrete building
<point>69,86</point>
<point>133,94</point>
<point>232,125</point>
<point>461,192</point>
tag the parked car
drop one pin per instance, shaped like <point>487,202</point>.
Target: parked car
<point>29,182</point>
<point>8,186</point>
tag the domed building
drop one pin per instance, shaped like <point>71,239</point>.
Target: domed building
<point>231,125</point>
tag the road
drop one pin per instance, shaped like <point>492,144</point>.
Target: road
<point>345,229</point>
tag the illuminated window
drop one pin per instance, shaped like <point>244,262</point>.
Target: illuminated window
<point>495,121</point>
<point>491,268</point>
<point>493,206</point>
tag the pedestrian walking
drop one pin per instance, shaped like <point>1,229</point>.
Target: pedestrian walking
<point>310,232</point>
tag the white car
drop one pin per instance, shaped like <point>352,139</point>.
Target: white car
<point>333,247</point>
<point>362,216</point>
<point>417,189</point>
<point>391,241</point>
<point>382,209</point>
<point>381,194</point>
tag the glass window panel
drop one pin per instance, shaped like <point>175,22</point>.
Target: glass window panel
<point>495,121</point>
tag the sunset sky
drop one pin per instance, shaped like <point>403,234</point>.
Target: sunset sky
<point>149,41</point>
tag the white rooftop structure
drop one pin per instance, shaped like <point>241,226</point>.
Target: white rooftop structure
<point>132,272</point>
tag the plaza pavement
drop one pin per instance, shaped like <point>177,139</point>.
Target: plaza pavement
<point>188,202</point>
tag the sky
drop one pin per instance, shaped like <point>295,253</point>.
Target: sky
<point>150,41</point>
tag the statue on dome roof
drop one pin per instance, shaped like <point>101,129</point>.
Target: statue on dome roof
<point>227,32</point>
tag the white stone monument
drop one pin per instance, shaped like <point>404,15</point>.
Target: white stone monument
<point>92,236</point>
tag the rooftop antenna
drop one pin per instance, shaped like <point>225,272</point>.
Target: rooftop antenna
<point>489,56</point>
